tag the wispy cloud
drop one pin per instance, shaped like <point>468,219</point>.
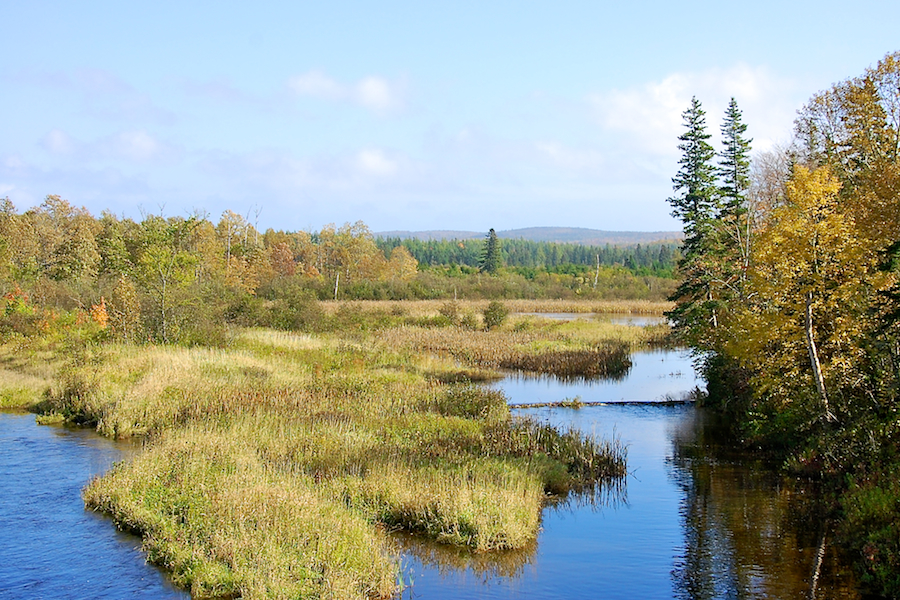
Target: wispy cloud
<point>103,95</point>
<point>648,117</point>
<point>135,146</point>
<point>375,162</point>
<point>375,93</point>
<point>318,85</point>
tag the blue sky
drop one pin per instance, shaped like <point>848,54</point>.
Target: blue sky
<point>405,115</point>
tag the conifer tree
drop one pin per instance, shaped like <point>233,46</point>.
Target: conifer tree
<point>734,218</point>
<point>490,253</point>
<point>695,203</point>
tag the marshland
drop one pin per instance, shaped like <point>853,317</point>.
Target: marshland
<point>364,464</point>
<point>279,464</point>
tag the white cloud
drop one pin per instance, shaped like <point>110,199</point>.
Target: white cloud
<point>648,117</point>
<point>371,92</point>
<point>374,162</point>
<point>376,94</point>
<point>318,85</point>
<point>136,145</point>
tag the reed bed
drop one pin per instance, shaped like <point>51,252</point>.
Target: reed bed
<point>429,308</point>
<point>21,390</point>
<point>560,349</point>
<point>27,371</point>
<point>275,467</point>
<point>225,525</point>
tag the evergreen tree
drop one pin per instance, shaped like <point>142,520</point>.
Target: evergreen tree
<point>490,253</point>
<point>695,203</point>
<point>734,216</point>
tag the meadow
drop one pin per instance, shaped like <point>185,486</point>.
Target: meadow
<point>279,464</point>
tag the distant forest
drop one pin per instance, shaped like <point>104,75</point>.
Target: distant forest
<point>657,259</point>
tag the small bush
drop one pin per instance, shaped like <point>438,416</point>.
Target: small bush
<point>450,310</point>
<point>495,314</point>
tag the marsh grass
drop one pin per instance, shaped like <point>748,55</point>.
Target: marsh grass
<point>28,368</point>
<point>21,390</point>
<point>275,466</point>
<point>214,514</point>
<point>589,350</point>
<point>429,308</point>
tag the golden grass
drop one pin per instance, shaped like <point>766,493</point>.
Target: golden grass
<point>583,348</point>
<point>21,390</point>
<point>224,524</point>
<point>427,308</point>
<point>277,464</point>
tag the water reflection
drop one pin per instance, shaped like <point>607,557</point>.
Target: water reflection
<point>749,533</point>
<point>695,522</point>
<point>449,560</point>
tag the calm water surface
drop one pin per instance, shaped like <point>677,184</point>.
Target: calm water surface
<point>50,546</point>
<point>685,525</point>
<point>655,375</point>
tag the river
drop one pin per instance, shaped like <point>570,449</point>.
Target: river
<point>50,546</point>
<point>686,523</point>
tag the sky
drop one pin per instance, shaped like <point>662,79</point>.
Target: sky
<point>406,115</point>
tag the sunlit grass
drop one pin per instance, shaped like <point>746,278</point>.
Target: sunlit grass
<point>277,464</point>
<point>423,308</point>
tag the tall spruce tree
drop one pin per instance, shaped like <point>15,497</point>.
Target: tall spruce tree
<point>695,203</point>
<point>734,217</point>
<point>490,253</point>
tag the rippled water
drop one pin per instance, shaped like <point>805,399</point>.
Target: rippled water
<point>50,546</point>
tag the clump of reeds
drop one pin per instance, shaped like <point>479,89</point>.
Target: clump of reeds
<point>225,526</point>
<point>554,354</point>
<point>610,361</point>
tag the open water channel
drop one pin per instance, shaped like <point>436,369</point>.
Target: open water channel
<point>685,523</point>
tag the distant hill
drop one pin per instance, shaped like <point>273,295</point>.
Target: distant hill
<point>561,235</point>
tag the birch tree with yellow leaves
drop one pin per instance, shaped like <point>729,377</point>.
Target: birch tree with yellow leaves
<point>808,292</point>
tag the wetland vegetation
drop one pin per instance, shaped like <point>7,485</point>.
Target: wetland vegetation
<point>276,464</point>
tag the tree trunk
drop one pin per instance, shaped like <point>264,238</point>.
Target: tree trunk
<point>814,358</point>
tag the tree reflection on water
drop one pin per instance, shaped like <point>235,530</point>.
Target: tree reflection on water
<point>748,532</point>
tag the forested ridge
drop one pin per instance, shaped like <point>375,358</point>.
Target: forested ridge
<point>789,296</point>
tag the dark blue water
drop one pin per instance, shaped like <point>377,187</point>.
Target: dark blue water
<point>50,546</point>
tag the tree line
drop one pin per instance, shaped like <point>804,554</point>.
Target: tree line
<point>790,297</point>
<point>178,279</point>
<point>645,259</point>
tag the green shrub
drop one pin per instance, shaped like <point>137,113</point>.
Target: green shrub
<point>495,314</point>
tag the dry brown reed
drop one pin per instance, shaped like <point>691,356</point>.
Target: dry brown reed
<point>425,308</point>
